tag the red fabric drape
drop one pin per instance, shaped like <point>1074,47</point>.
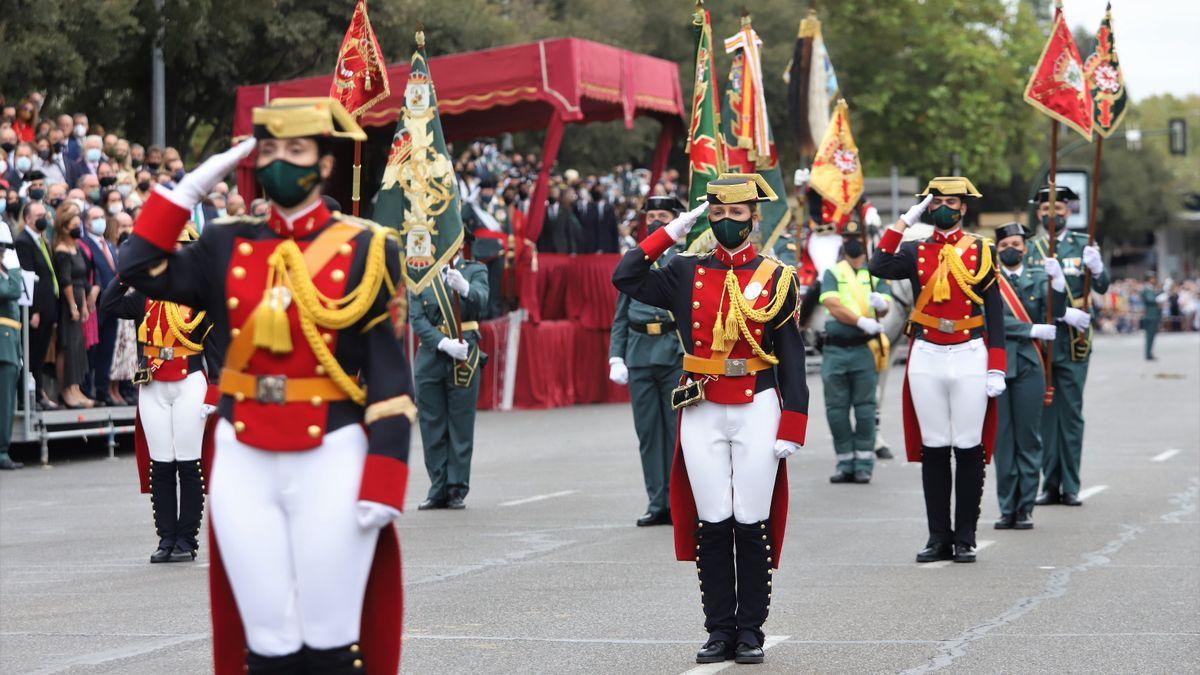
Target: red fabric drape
<point>577,287</point>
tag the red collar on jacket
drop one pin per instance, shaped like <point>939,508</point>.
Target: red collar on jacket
<point>299,224</point>
<point>950,237</point>
<point>737,258</point>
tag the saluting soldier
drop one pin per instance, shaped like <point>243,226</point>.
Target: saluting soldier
<point>1152,300</point>
<point>646,353</point>
<point>956,363</point>
<point>11,287</point>
<point>445,317</point>
<point>855,350</point>
<point>173,404</point>
<point>1019,408</point>
<point>1062,422</point>
<point>743,402</point>
<point>312,442</point>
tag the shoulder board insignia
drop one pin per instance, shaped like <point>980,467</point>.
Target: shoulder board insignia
<point>234,220</point>
<point>770,255</point>
<point>355,220</point>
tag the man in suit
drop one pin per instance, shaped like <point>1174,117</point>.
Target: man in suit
<point>558,228</point>
<point>104,257</point>
<point>90,157</point>
<point>34,254</point>
<point>599,225</point>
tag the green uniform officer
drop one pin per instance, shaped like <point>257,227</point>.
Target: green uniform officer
<point>854,347</point>
<point>1018,449</point>
<point>11,286</point>
<point>446,374</point>
<point>1152,313</point>
<point>1062,421</point>
<point>645,353</point>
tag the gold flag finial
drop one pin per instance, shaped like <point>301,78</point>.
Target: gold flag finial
<point>745,17</point>
<point>420,37</point>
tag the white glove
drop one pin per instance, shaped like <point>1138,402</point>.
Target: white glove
<point>617,372</point>
<point>1043,331</point>
<point>995,383</point>
<point>785,448</point>
<point>1054,271</point>
<point>196,185</point>
<point>455,349</point>
<point>206,410</point>
<point>869,326</point>
<point>1077,318</point>
<point>1091,258</point>
<point>800,177</point>
<point>878,301</point>
<point>683,223</point>
<point>457,282</point>
<point>373,515</point>
<point>913,214</point>
<point>871,217</point>
<point>11,261</point>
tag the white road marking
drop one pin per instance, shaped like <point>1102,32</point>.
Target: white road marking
<point>708,668</point>
<point>979,546</point>
<point>1092,491</point>
<point>1164,456</point>
<point>538,498</point>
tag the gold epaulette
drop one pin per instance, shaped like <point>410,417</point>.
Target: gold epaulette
<point>234,220</point>
<point>355,220</point>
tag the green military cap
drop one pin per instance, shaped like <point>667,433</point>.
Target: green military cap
<point>1013,229</point>
<point>318,116</point>
<point>1063,194</point>
<point>951,186</point>
<point>740,188</point>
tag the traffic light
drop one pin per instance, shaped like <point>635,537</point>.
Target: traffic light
<point>1177,129</point>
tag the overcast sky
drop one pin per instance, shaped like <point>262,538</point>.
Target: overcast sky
<point>1158,42</point>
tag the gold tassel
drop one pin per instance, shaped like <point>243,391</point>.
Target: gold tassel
<point>941,284</point>
<point>718,334</point>
<point>272,330</point>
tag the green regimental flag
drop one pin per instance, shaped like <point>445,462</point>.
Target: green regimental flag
<point>1103,73</point>
<point>419,193</point>
<point>749,140</point>
<point>705,149</point>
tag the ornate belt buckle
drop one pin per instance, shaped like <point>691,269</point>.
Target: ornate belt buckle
<point>142,376</point>
<point>735,367</point>
<point>270,389</point>
<point>654,328</point>
<point>946,325</point>
<point>687,394</point>
<point>166,353</point>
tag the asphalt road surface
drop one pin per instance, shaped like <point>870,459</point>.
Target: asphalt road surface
<point>545,572</point>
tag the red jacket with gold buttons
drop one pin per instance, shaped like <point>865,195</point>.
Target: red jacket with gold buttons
<point>121,302</point>
<point>225,274</point>
<point>693,289</point>
<point>917,261</point>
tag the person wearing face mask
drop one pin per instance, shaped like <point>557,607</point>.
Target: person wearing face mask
<point>311,448</point>
<point>11,288</point>
<point>89,160</point>
<point>21,166</point>
<point>645,353</point>
<point>34,255</point>
<point>855,350</point>
<point>1153,297</point>
<point>104,263</point>
<point>71,270</point>
<point>743,404</point>
<point>35,186</point>
<point>599,223</point>
<point>956,363</point>
<point>1062,423</point>
<point>1019,408</point>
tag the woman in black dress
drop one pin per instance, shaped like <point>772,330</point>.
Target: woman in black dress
<point>71,269</point>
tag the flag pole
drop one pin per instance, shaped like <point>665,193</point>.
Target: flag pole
<point>357,180</point>
<point>1050,223</point>
<point>1087,274</point>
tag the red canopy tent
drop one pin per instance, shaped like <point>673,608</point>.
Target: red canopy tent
<point>543,85</point>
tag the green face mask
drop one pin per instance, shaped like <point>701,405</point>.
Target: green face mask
<point>288,184</point>
<point>945,217</point>
<point>731,233</point>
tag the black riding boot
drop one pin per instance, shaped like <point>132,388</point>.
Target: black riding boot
<point>191,508</point>
<point>968,492</point>
<point>337,661</point>
<point>714,566</point>
<point>936,482</point>
<point>163,505</point>
<point>289,664</point>
<point>755,565</point>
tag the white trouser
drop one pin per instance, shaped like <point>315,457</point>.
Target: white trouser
<point>172,417</point>
<point>729,451</point>
<point>289,538</point>
<point>948,384</point>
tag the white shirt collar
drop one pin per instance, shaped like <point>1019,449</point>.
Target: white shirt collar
<point>1017,272</point>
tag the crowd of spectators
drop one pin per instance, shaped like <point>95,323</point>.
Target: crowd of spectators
<point>1122,307</point>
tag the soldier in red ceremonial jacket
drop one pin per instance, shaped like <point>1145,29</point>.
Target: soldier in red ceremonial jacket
<point>956,363</point>
<point>743,406</point>
<point>170,429</point>
<point>315,408</point>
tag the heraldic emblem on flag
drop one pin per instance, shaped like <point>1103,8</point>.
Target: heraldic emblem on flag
<point>836,170</point>
<point>1103,71</point>
<point>1058,87</point>
<point>360,77</point>
<point>419,194</point>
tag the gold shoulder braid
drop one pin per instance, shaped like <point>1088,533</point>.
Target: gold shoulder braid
<point>950,264</point>
<point>181,330</point>
<point>727,328</point>
<point>288,279</point>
